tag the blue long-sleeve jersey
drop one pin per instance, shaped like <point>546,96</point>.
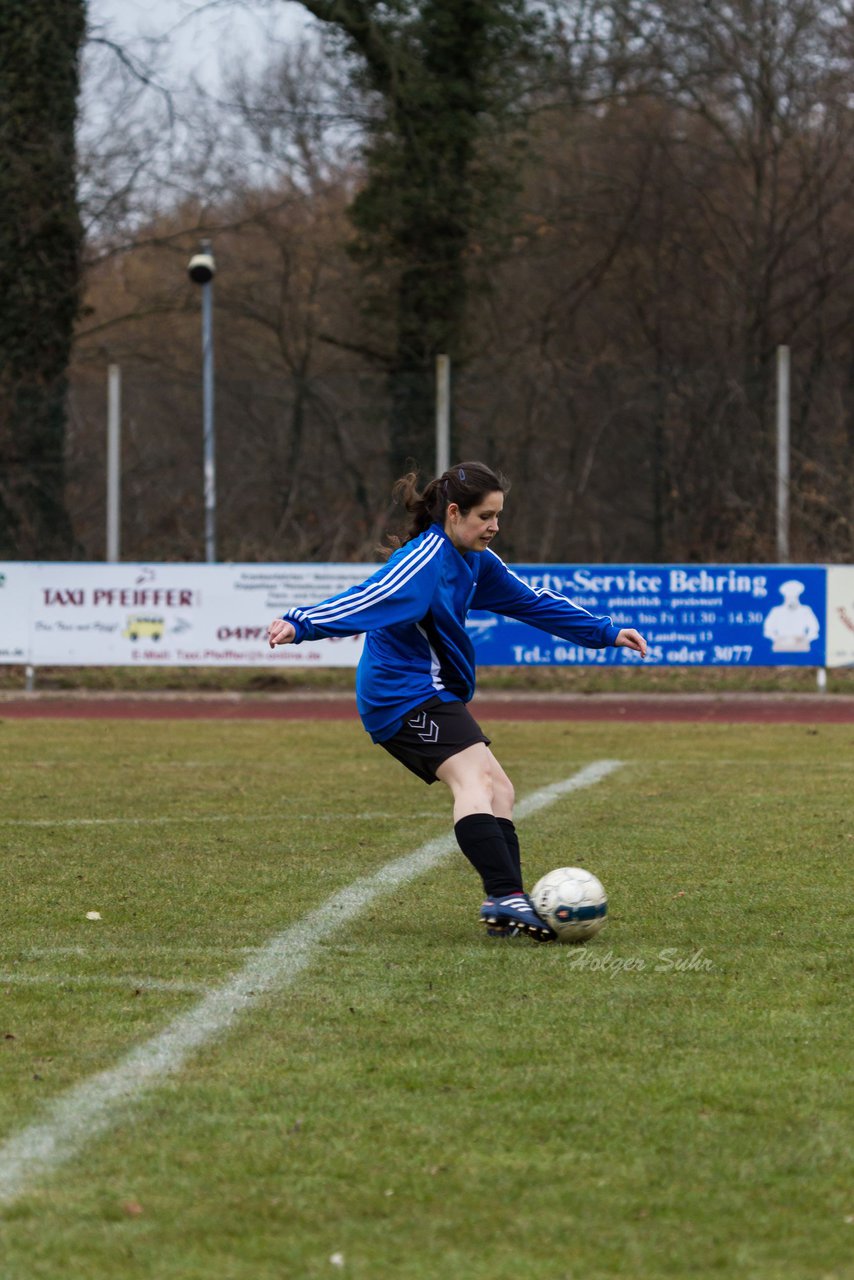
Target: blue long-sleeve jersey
<point>413,611</point>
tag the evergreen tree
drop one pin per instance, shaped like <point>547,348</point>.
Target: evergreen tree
<point>40,239</point>
<point>445,75</point>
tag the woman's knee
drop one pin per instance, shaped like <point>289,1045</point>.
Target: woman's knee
<point>503,791</point>
<point>469,773</point>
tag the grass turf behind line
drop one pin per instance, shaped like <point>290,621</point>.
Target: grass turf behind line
<point>422,1102</point>
<point>561,679</point>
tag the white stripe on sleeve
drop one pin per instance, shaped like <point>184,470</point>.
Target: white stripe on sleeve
<point>409,565</point>
<point>541,591</point>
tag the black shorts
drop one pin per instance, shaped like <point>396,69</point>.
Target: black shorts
<point>431,734</point>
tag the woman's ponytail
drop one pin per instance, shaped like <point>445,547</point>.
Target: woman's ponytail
<point>466,484</point>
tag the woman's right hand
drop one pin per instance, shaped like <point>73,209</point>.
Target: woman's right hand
<point>280,631</point>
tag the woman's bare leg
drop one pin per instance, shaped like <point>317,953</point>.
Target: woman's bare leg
<point>478,783</point>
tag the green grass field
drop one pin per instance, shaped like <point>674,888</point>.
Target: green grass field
<point>562,679</point>
<point>567,680</point>
<point>672,1100</point>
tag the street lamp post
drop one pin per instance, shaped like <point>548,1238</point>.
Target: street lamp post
<point>201,269</point>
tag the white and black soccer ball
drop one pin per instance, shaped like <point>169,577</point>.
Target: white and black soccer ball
<point>572,901</point>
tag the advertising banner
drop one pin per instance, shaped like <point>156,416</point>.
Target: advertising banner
<point>60,614</point>
<point>165,614</point>
<point>691,615</point>
<point>15,593</point>
<point>840,615</point>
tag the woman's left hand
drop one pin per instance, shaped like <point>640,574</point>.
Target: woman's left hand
<point>628,638</point>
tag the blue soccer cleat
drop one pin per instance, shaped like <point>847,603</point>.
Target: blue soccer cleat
<point>504,917</point>
<point>503,931</point>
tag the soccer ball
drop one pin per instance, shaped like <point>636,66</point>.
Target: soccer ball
<point>572,901</point>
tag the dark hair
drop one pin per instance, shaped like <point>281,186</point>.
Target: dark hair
<point>465,483</point>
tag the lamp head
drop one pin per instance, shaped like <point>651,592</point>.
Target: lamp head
<point>201,268</point>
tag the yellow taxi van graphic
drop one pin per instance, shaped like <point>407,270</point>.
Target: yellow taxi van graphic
<point>141,627</point>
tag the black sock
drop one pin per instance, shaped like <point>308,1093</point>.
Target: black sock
<point>482,841</point>
<point>512,841</point>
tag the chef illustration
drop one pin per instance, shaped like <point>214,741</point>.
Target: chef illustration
<point>791,626</point>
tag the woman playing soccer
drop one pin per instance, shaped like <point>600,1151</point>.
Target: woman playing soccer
<point>417,669</point>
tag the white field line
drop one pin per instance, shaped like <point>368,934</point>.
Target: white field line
<point>91,1107</point>
<point>141,949</point>
<point>12,978</point>
<point>282,815</point>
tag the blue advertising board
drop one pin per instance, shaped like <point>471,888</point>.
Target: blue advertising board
<point>690,615</point>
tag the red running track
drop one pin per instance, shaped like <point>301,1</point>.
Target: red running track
<point>638,708</point>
